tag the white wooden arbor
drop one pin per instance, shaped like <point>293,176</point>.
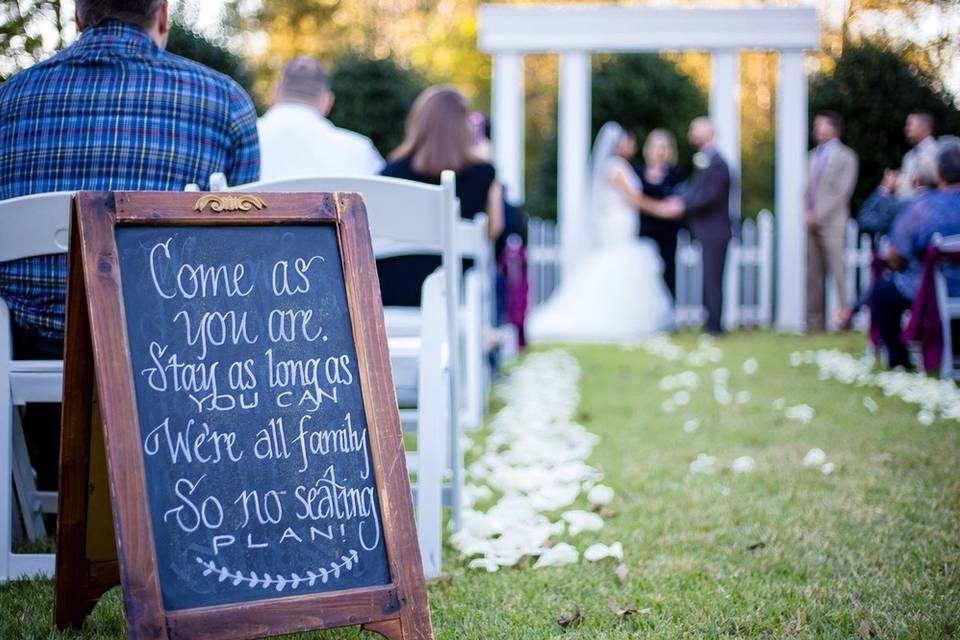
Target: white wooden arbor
<point>575,31</point>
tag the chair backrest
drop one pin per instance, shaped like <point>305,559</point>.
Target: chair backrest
<point>948,244</point>
<point>949,308</point>
<point>35,225</point>
<point>401,212</point>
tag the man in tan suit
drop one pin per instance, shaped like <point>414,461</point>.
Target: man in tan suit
<point>830,181</point>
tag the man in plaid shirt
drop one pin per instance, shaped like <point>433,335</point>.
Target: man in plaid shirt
<point>113,111</point>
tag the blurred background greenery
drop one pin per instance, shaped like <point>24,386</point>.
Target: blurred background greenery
<point>879,60</point>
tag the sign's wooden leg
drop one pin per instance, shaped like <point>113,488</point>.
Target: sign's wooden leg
<point>389,629</point>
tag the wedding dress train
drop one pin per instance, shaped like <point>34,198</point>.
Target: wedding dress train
<point>616,294</point>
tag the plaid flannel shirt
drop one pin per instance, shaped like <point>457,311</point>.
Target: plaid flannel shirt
<point>112,112</point>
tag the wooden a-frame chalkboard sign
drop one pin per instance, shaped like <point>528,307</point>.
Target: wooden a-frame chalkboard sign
<point>231,450</point>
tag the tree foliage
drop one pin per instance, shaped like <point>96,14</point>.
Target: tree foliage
<point>21,37</point>
<point>874,88</point>
<point>438,39</point>
<point>373,98</point>
<point>640,91</point>
<point>190,44</point>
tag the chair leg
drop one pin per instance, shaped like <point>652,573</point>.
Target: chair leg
<point>432,432</point>
<point>25,484</point>
<point>6,484</point>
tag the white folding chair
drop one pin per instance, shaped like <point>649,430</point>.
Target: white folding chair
<point>414,218</point>
<point>948,307</point>
<point>476,314</point>
<point>32,226</point>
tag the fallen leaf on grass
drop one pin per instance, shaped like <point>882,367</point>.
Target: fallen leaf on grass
<point>443,578</point>
<point>624,611</point>
<point>574,618</point>
<point>622,573</point>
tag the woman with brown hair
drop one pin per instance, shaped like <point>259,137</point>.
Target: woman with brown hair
<point>439,136</point>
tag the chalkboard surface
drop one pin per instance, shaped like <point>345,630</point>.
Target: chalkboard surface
<point>259,474</point>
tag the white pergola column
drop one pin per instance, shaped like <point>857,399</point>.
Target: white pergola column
<point>573,132</point>
<point>507,102</point>
<point>725,114</point>
<point>791,171</point>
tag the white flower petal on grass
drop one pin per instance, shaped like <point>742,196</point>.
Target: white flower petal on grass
<point>688,379</point>
<point>681,398</point>
<point>703,464</point>
<point>826,468</point>
<point>722,396</point>
<point>936,396</point>
<point>743,464</point>
<point>742,397</point>
<point>721,374</point>
<point>800,413</point>
<point>600,495</point>
<point>600,551</point>
<point>535,457</point>
<point>750,366</point>
<point>484,563</point>
<point>579,521</point>
<point>815,457</point>
<point>870,404</point>
<point>691,425</point>
<point>473,493</point>
<point>557,556</point>
<point>796,359</point>
<point>926,417</point>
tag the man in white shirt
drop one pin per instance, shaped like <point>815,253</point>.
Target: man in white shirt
<point>297,140</point>
<point>918,131</point>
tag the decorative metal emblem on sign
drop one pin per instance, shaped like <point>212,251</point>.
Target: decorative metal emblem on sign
<point>219,203</point>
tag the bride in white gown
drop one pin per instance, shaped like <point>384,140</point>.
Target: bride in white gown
<point>616,294</point>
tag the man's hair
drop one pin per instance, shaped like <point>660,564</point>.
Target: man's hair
<point>948,159</point>
<point>303,80</point>
<point>835,119</point>
<point>139,12</point>
<point>926,117</point>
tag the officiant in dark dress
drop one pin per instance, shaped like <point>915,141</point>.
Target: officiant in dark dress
<point>660,178</point>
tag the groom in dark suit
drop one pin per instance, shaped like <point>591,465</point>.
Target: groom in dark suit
<point>706,204</point>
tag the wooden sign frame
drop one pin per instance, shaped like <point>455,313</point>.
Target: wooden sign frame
<point>99,391</point>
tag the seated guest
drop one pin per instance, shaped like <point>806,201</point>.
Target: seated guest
<point>878,213</point>
<point>660,178</point>
<point>931,212</point>
<point>297,140</point>
<point>112,111</point>
<point>439,136</point>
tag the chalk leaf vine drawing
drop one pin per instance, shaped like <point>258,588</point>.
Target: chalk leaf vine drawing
<point>280,582</point>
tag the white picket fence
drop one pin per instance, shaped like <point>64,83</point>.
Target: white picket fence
<point>748,281</point>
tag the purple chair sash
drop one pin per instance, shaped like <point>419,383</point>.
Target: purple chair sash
<point>925,326</point>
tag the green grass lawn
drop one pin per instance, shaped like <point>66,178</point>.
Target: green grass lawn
<point>872,550</point>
